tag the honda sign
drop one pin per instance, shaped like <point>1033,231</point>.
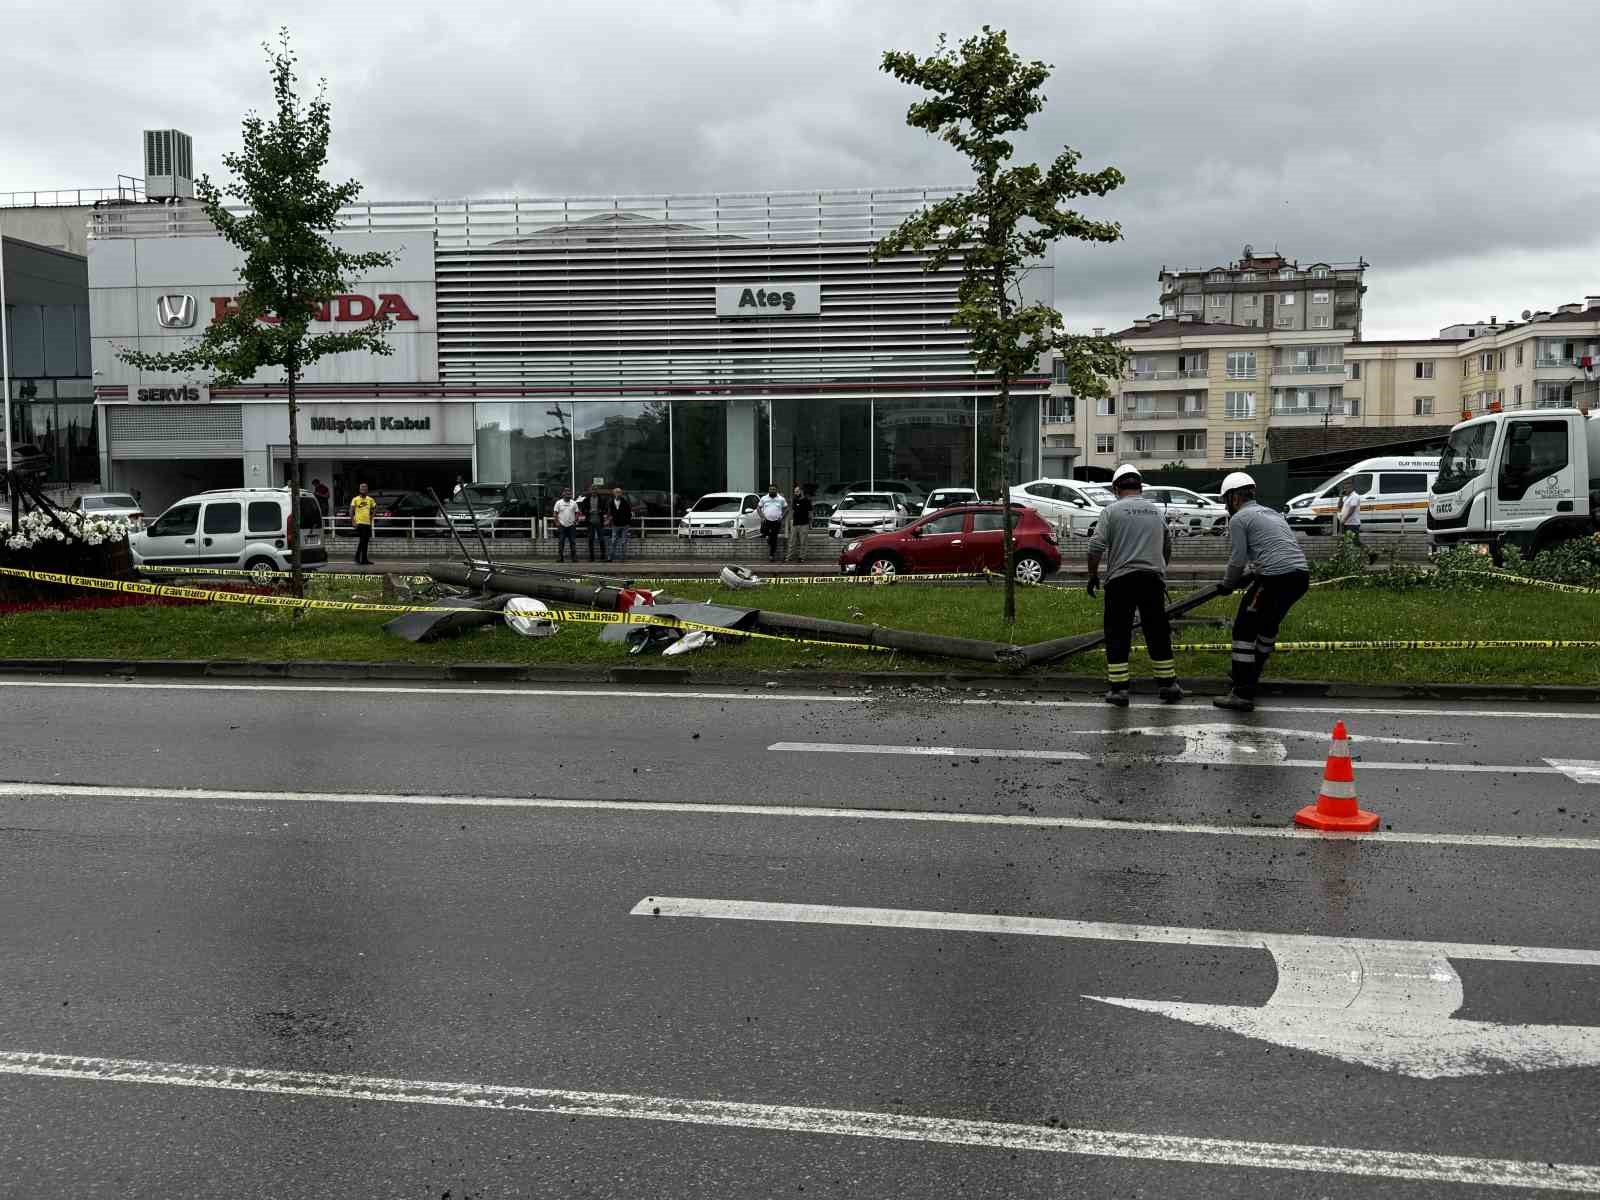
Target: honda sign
<point>176,311</point>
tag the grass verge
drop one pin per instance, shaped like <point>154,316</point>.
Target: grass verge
<point>1327,614</point>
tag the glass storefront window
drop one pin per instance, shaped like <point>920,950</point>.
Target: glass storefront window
<point>822,443</point>
<point>624,443</point>
<point>1024,465</point>
<point>699,450</point>
<point>919,445</point>
<point>526,443</point>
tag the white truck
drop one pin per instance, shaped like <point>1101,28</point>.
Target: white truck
<point>1528,478</point>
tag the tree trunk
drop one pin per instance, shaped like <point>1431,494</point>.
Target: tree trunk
<point>1002,416</point>
<point>296,577</point>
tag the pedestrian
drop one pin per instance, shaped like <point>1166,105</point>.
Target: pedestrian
<point>361,509</point>
<point>460,486</point>
<point>592,518</point>
<point>799,526</point>
<point>1263,538</point>
<point>566,513</point>
<point>1349,517</point>
<point>1131,536</point>
<point>321,492</point>
<point>619,515</point>
<point>772,508</point>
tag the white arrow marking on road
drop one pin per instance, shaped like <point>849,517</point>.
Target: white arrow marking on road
<point>1178,760</point>
<point>1579,770</point>
<point>1382,1004</point>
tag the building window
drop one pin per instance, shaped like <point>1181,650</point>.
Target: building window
<point>1104,443</point>
<point>1192,362</point>
<point>1352,406</point>
<point>1058,371</point>
<point>1319,272</point>
<point>1191,302</point>
<point>1284,322</point>
<point>1486,361</point>
<point>1422,406</point>
<point>1286,273</point>
<point>1239,406</point>
<point>1144,442</point>
<point>1286,300</point>
<point>1194,404</point>
<point>1219,300</point>
<point>1352,370</point>
<point>1321,322</point>
<point>1241,364</point>
<point>1500,397</point>
<point>1516,392</point>
<point>1105,406</point>
<point>1424,369</point>
<point>1250,301</point>
<point>1501,360</point>
<point>1169,310</point>
<point>1191,443</point>
<point>1239,447</point>
<point>1248,277</point>
<point>1321,297</point>
<point>1217,277</point>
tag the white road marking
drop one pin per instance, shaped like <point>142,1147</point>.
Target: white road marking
<point>1577,1178</point>
<point>1164,759</point>
<point>1579,770</point>
<point>669,692</point>
<point>84,791</point>
<point>1384,1004</point>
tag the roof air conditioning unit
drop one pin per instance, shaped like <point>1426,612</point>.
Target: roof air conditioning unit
<point>168,165</point>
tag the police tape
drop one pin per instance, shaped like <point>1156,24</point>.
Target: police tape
<point>1551,584</point>
<point>1420,644</point>
<point>239,573</point>
<point>260,600</point>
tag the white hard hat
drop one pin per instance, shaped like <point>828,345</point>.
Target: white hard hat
<point>1125,469</point>
<point>1235,481</point>
<point>528,616</point>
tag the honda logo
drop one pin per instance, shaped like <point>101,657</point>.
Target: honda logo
<point>176,311</point>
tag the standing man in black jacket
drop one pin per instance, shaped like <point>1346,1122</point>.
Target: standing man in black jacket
<point>619,515</point>
<point>799,525</point>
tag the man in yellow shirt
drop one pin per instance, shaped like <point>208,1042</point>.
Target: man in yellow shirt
<point>361,508</point>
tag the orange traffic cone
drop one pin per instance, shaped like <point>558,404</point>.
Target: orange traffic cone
<point>1336,802</point>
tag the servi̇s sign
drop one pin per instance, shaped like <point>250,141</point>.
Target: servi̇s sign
<point>348,308</point>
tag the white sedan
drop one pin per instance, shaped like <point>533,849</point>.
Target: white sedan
<point>721,515</point>
<point>117,506</point>
<point>868,512</point>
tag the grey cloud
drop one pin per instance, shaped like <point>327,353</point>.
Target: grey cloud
<point>1442,142</point>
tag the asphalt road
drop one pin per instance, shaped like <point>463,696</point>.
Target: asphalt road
<point>281,940</point>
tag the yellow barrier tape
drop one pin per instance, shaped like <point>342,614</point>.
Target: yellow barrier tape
<point>257,600</point>
<point>1508,577</point>
<point>1485,644</point>
<point>238,573</point>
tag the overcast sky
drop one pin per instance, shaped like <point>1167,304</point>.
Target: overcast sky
<point>1454,146</point>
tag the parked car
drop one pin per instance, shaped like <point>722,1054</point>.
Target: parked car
<point>118,505</point>
<point>501,509</point>
<point>402,514</point>
<point>1394,496</point>
<point>252,528</point>
<point>1073,505</point>
<point>868,512</point>
<point>721,514</point>
<point>1189,513</point>
<point>829,497</point>
<point>946,497</point>
<point>968,537</point>
<point>28,460</point>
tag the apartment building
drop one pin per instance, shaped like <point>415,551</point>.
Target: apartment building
<point>1270,292</point>
<point>1204,394</point>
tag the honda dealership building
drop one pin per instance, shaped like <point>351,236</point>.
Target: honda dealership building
<point>670,345</point>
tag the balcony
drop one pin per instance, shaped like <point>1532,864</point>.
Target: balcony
<point>1308,368</point>
<point>1312,414</point>
<point>1165,376</point>
<point>1163,414</point>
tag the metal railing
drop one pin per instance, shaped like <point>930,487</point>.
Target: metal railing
<point>1308,368</point>
<point>339,526</point>
<point>1164,414</point>
<point>129,188</point>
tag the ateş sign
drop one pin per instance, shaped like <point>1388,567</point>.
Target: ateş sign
<point>769,299</point>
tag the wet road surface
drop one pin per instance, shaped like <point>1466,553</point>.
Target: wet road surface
<point>292,939</point>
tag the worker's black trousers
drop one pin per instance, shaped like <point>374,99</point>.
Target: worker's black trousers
<point>1145,593</point>
<point>1255,629</point>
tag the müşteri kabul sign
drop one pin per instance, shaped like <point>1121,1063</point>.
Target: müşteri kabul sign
<point>769,299</point>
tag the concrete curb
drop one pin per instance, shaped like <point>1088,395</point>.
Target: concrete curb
<point>486,672</point>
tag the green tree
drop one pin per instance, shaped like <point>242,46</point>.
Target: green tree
<point>291,264</point>
<point>980,94</point>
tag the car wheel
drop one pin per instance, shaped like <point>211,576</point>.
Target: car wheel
<point>1029,568</point>
<point>262,568</point>
<point>883,564</point>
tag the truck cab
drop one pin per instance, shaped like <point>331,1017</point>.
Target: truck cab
<point>1528,478</point>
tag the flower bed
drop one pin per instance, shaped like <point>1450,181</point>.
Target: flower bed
<point>70,544</point>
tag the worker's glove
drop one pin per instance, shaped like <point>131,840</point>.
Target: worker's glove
<point>1093,586</point>
<point>1224,589</point>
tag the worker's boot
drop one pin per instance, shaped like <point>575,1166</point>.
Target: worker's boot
<point>1118,696</point>
<point>1171,693</point>
<point>1235,702</point>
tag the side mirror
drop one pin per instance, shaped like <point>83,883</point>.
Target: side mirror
<point>916,531</point>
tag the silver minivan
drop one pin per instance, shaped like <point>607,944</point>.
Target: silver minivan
<point>248,528</point>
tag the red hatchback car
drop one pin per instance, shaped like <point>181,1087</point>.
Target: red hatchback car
<point>965,538</point>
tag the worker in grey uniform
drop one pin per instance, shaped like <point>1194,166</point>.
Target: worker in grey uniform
<point>1261,537</point>
<point>1131,536</point>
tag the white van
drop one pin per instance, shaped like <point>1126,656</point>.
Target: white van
<point>1393,491</point>
<point>247,528</point>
